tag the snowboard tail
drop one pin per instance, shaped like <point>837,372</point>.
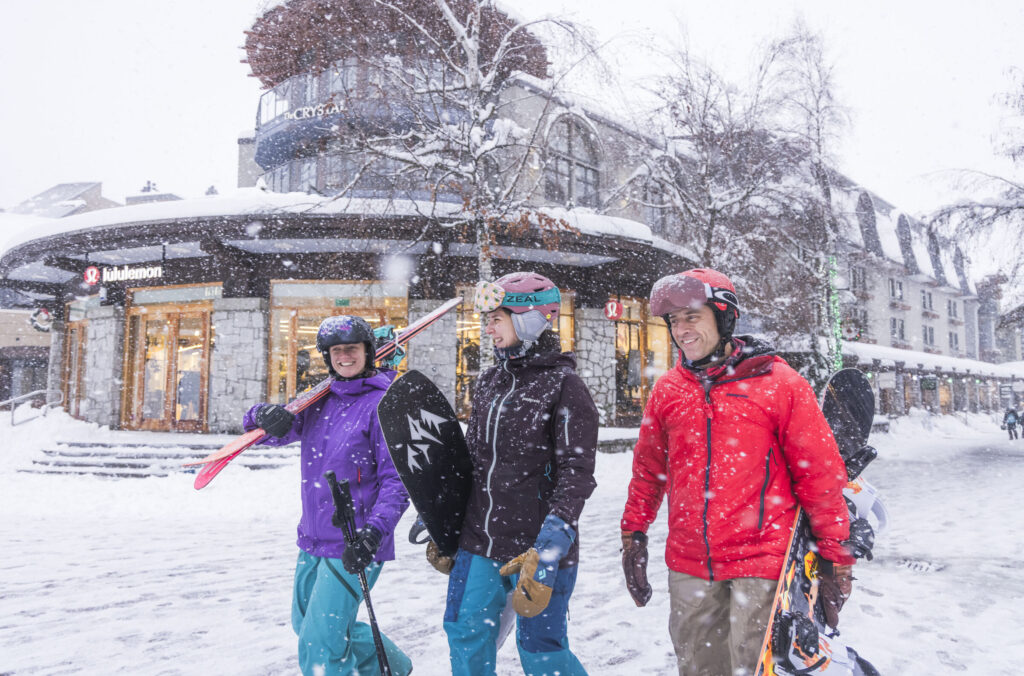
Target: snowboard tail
<point>429,451</point>
<point>797,640</point>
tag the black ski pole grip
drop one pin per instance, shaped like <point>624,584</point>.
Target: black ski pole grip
<point>344,513</point>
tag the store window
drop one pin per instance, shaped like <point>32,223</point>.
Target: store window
<point>643,351</point>
<point>75,331</point>
<point>168,342</point>
<point>298,307</point>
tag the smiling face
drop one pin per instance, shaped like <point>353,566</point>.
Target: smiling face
<point>500,329</point>
<point>695,331</point>
<point>349,359</point>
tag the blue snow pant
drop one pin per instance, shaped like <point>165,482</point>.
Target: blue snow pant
<point>324,605</point>
<point>476,597</point>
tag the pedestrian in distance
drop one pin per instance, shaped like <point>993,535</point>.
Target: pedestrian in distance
<point>532,439</point>
<point>340,433</point>
<point>735,438</point>
<point>1010,420</point>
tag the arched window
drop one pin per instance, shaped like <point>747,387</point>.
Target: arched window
<point>571,171</point>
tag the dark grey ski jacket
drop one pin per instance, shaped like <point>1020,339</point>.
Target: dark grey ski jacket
<point>532,438</point>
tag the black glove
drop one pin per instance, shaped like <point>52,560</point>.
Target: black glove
<point>834,588</point>
<point>359,553</point>
<point>634,565</point>
<point>274,419</point>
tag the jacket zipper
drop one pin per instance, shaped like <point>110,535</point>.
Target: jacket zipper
<point>494,459</point>
<point>707,388</point>
<point>707,469</point>
<point>764,488</point>
<point>707,487</point>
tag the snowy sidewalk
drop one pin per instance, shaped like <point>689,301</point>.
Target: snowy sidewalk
<point>148,576</point>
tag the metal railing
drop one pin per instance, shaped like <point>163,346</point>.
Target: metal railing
<point>13,403</point>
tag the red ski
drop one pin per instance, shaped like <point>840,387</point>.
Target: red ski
<point>215,462</point>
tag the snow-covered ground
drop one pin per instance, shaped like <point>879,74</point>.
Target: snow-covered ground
<point>148,576</point>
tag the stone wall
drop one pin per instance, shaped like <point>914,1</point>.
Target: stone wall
<point>238,365</point>
<point>104,350</point>
<point>432,352</point>
<point>595,356</point>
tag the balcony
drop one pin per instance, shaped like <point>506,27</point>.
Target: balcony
<point>929,314</point>
<point>900,343</point>
<point>956,321</point>
<point>898,304</point>
<point>931,349</point>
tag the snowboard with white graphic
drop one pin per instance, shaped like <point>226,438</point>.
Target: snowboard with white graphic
<point>429,451</point>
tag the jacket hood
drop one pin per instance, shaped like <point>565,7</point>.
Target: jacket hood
<point>357,386</point>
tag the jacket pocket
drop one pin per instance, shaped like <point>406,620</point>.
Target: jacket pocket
<point>764,488</point>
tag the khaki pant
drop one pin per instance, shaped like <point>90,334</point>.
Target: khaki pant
<point>717,628</point>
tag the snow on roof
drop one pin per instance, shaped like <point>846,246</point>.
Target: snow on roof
<point>866,352</point>
<point>919,245</point>
<point>242,202</point>
<point>886,226</point>
<point>257,203</point>
<point>60,200</point>
<point>949,270</point>
<point>590,223</point>
<point>16,228</point>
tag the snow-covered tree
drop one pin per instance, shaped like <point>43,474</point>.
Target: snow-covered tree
<point>812,118</point>
<point>422,86</point>
<point>994,216</point>
<point>744,177</point>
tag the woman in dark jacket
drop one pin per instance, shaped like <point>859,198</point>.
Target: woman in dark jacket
<point>532,437</point>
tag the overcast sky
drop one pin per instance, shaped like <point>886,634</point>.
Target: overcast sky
<point>122,91</point>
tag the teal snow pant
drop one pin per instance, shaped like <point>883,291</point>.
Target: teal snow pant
<point>472,619</point>
<point>324,606</point>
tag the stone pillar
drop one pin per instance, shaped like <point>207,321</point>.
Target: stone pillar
<point>55,365</point>
<point>104,365</point>
<point>238,365</point>
<point>595,357</point>
<point>433,351</point>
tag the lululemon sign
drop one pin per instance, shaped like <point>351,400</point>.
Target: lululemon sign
<point>613,310</point>
<point>93,275</point>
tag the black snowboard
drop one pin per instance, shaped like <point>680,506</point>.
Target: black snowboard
<point>797,640</point>
<point>427,446</point>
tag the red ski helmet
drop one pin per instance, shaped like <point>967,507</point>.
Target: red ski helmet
<point>694,288</point>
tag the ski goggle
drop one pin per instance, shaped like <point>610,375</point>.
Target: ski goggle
<point>676,292</point>
<point>488,297</point>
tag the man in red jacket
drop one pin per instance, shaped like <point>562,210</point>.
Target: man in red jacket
<point>736,438</point>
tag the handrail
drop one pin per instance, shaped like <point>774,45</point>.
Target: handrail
<point>28,395</point>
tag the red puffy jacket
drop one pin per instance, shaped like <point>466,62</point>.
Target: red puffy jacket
<point>736,461</point>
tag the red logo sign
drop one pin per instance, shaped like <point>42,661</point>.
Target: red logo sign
<point>92,275</point>
<point>613,310</point>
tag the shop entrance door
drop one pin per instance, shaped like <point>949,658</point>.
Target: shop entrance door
<point>167,369</point>
<point>74,367</point>
<point>630,372</point>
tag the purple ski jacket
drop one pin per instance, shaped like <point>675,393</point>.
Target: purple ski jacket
<point>341,433</point>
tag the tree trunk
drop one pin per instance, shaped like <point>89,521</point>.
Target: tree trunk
<point>485,273</point>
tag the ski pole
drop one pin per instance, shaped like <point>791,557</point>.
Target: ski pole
<point>345,519</point>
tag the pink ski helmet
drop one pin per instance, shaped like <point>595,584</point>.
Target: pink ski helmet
<point>694,288</point>
<point>533,300</point>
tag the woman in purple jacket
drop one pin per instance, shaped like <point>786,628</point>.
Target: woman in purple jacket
<point>532,438</point>
<point>340,433</point>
